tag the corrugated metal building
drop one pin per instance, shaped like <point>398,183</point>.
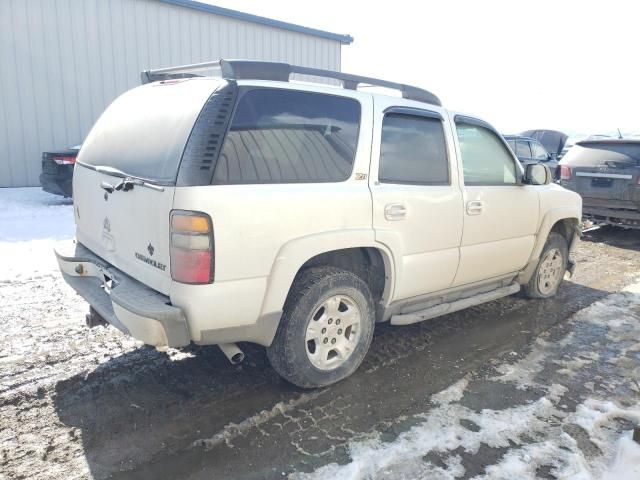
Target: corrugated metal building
<point>63,61</point>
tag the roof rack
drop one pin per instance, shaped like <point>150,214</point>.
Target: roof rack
<point>258,70</point>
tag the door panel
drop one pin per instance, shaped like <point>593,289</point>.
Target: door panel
<point>500,239</point>
<point>426,239</point>
<point>501,214</point>
<point>420,222</point>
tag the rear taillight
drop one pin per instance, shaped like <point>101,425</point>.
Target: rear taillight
<point>64,159</point>
<point>192,258</point>
<point>565,172</point>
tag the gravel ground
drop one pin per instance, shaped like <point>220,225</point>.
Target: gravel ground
<point>80,403</point>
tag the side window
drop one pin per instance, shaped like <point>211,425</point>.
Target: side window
<point>539,152</point>
<point>522,149</point>
<point>286,136</point>
<point>485,158</point>
<point>413,150</point>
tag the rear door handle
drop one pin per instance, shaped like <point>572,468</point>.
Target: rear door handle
<point>395,211</point>
<point>475,207</point>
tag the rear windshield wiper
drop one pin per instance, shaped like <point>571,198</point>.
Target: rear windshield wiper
<point>127,183</point>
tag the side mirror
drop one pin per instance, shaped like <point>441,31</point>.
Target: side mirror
<point>537,174</point>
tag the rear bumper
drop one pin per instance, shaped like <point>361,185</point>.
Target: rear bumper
<point>624,217</point>
<point>58,184</point>
<point>122,301</point>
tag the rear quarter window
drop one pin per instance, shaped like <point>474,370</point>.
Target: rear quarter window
<point>285,136</point>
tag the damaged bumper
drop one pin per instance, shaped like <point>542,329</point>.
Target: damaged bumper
<point>122,301</point>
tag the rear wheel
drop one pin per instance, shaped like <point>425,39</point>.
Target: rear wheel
<point>551,268</point>
<point>326,328</point>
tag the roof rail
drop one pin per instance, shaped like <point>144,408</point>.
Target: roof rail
<point>258,70</point>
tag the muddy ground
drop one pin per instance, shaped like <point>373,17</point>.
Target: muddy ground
<point>79,403</point>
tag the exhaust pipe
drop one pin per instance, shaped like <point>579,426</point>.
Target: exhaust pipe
<point>232,352</point>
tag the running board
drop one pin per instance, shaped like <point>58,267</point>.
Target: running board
<point>444,308</point>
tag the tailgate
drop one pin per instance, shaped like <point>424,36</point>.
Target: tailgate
<point>140,136</point>
<point>606,182</point>
<point>604,169</point>
<point>128,229</point>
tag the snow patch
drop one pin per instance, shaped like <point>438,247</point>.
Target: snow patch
<point>452,393</point>
<point>626,465</point>
<point>32,223</point>
<point>523,371</point>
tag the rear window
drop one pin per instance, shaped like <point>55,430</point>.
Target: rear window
<point>284,136</point>
<point>592,154</point>
<point>144,131</point>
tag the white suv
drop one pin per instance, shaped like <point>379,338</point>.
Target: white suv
<point>250,208</point>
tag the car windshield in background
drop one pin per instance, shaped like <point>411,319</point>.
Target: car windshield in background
<point>610,153</point>
<point>280,136</point>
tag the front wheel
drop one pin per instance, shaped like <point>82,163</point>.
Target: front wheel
<point>325,330</point>
<point>549,273</point>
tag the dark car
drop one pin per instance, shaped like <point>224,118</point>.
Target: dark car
<point>529,150</point>
<point>57,171</point>
<point>553,141</point>
<point>606,173</point>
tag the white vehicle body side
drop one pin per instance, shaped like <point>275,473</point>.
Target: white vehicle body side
<point>265,233</point>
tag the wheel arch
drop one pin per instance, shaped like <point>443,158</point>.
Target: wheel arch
<point>562,220</point>
<point>357,252</point>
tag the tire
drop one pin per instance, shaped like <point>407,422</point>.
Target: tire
<point>549,272</point>
<point>305,354</point>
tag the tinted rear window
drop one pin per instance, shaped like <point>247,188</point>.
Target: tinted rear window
<point>284,136</point>
<point>591,154</point>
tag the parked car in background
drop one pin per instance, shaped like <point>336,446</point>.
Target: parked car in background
<point>529,150</point>
<point>57,171</point>
<point>606,173</point>
<point>552,140</point>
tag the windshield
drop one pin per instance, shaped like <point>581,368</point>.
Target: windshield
<point>144,131</point>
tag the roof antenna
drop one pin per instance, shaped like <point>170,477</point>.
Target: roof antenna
<point>619,134</point>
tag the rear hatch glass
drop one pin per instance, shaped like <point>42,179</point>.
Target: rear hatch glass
<point>142,135</point>
<point>144,131</point>
<point>604,169</point>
